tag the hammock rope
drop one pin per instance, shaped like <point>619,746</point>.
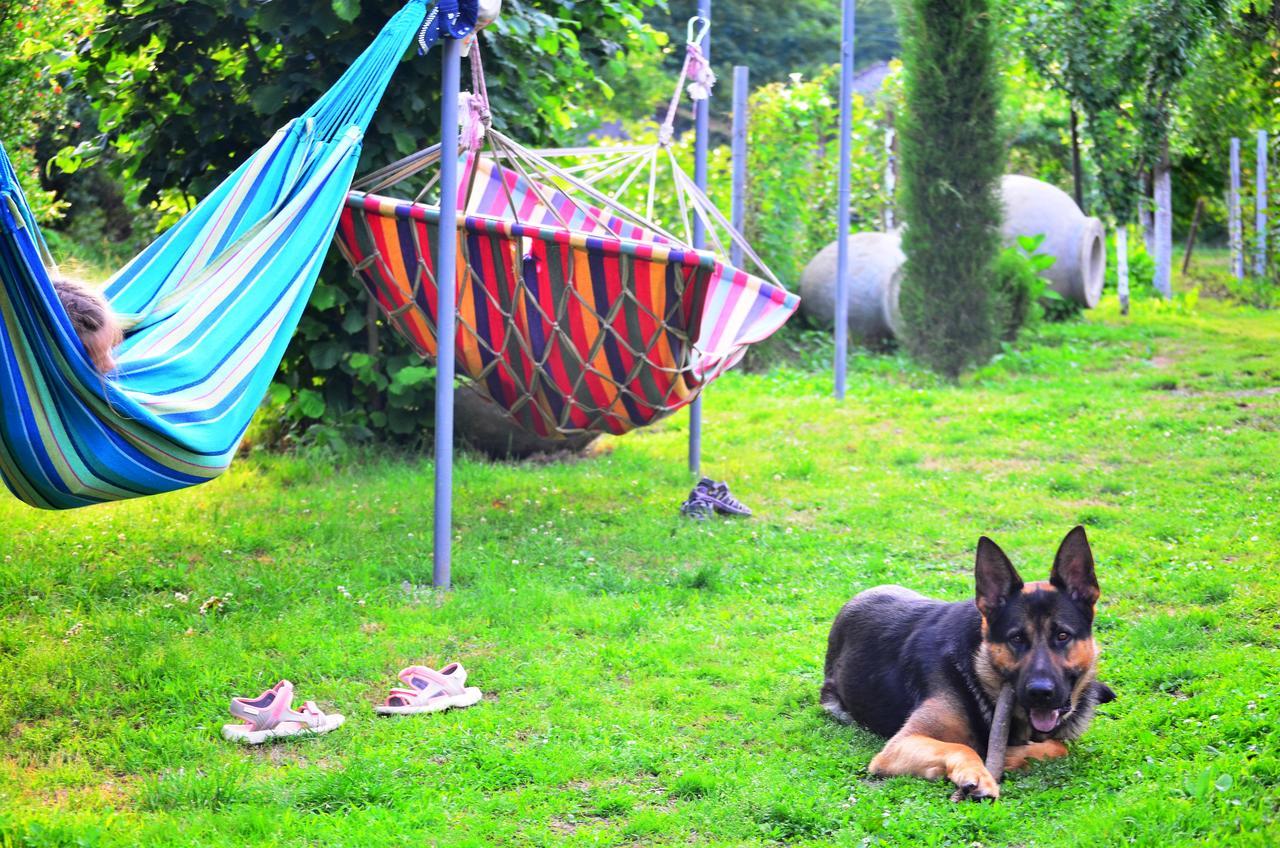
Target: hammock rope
<point>575,312</point>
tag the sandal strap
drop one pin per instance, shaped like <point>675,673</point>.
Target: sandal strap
<point>266,710</point>
<point>448,684</point>
<point>311,715</point>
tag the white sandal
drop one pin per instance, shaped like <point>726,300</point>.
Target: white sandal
<point>430,691</point>
<point>271,716</point>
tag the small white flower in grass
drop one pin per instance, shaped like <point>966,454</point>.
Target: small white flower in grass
<point>515,562</point>
<point>181,597</point>
<point>410,535</point>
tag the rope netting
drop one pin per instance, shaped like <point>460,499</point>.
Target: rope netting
<point>575,312</point>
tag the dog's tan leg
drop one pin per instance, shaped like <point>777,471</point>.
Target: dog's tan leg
<point>1019,756</point>
<point>935,743</point>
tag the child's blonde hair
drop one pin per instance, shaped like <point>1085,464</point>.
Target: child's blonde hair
<point>93,320</point>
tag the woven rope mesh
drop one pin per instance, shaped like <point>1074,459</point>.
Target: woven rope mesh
<point>595,327</point>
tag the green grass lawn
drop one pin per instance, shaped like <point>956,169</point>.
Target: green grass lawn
<point>654,681</point>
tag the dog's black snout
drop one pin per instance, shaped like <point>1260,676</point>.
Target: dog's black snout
<point>1040,691</point>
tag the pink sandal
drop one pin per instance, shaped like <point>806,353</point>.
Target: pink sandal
<point>271,716</point>
<point>430,691</point>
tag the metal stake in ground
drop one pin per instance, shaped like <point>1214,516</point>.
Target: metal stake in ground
<point>1260,223</point>
<point>446,311</point>
<point>1235,223</point>
<point>702,111</point>
<point>738,200</point>
<point>842,218</point>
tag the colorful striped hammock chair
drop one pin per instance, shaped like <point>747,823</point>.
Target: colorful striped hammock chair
<point>575,314</point>
<point>209,307</point>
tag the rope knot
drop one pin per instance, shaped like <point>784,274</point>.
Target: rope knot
<point>701,77</point>
<point>475,120</point>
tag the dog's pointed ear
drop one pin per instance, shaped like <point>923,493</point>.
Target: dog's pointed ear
<point>995,578</point>
<point>1102,693</point>
<point>1073,571</point>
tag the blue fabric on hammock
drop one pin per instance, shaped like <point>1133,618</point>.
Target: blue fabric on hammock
<point>208,308</point>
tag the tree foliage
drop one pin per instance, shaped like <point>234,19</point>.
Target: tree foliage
<point>952,159</point>
<point>205,81</point>
<point>1233,89</point>
<point>1121,62</point>
<point>776,40</point>
<point>31,36</point>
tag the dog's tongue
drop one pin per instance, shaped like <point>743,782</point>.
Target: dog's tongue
<point>1044,720</point>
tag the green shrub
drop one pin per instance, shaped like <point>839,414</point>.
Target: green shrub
<point>1021,294</point>
<point>952,159</point>
<point>793,168</point>
<point>1142,268</point>
<point>1018,287</point>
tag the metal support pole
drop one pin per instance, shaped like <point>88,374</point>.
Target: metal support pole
<point>702,112</point>
<point>843,217</point>
<point>1122,266</point>
<point>890,175</point>
<point>446,310</point>
<point>1235,223</point>
<point>1260,222</point>
<point>738,201</point>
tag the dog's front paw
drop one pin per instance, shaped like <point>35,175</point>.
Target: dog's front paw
<point>974,784</point>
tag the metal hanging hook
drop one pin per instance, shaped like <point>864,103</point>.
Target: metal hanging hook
<point>703,24</point>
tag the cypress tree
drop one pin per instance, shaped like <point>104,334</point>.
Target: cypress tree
<point>952,159</point>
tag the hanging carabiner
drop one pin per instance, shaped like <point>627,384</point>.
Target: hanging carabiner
<point>690,37</point>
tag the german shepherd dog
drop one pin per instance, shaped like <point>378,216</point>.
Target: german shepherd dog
<point>926,673</point>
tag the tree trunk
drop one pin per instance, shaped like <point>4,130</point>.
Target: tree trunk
<point>1235,223</point>
<point>1164,225</point>
<point>1122,267</point>
<point>1077,178</point>
<point>1191,235</point>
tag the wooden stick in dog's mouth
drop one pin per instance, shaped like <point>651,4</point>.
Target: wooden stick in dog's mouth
<point>999,737</point>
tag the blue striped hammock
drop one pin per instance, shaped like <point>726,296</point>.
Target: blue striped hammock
<point>208,309</point>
